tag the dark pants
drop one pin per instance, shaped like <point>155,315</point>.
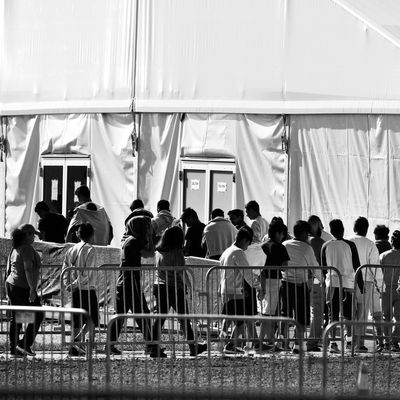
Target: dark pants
<point>167,297</point>
<point>20,297</point>
<point>129,297</point>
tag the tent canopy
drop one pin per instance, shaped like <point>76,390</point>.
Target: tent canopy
<point>235,56</point>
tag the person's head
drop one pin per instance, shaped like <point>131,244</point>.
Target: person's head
<point>82,193</point>
<point>396,240</point>
<point>189,216</point>
<point>381,232</point>
<point>136,204</point>
<point>171,239</point>
<point>18,238</point>
<point>337,229</point>
<point>30,232</point>
<point>91,206</point>
<point>244,237</point>
<point>163,205</point>
<point>42,209</point>
<point>361,226</point>
<point>217,212</point>
<point>252,209</point>
<point>279,220</point>
<point>301,229</point>
<point>316,226</point>
<point>277,231</point>
<point>85,232</point>
<point>236,216</point>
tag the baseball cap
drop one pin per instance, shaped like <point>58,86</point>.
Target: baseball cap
<point>28,228</point>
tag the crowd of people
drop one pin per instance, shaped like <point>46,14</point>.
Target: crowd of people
<point>295,279</point>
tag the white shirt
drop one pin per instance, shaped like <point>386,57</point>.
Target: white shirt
<point>301,254</point>
<point>218,235</point>
<point>260,229</point>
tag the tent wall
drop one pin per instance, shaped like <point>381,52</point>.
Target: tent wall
<point>345,166</point>
<point>106,138</point>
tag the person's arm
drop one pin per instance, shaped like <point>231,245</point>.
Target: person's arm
<point>27,257</point>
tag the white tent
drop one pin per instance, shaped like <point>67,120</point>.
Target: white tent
<point>226,80</point>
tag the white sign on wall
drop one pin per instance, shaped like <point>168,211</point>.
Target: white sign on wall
<point>54,189</point>
<point>221,187</point>
<point>195,184</point>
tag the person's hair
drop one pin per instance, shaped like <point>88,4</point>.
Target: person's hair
<point>361,226</point>
<point>91,207</point>
<point>85,231</point>
<point>42,206</point>
<point>217,212</point>
<point>245,232</point>
<point>396,239</point>
<point>237,212</point>
<point>189,213</point>
<point>313,219</point>
<point>172,238</point>
<point>381,232</point>
<point>337,228</point>
<point>301,227</point>
<point>253,205</point>
<point>136,204</point>
<point>82,191</point>
<point>163,205</point>
<point>278,220</point>
<point>276,227</point>
<point>18,237</point>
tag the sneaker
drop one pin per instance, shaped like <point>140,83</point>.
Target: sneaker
<point>295,350</point>
<point>260,347</point>
<point>361,349</point>
<point>157,353</point>
<point>17,353</point>
<point>380,348</point>
<point>313,348</point>
<point>230,348</point>
<point>395,348</point>
<point>334,349</point>
<point>76,351</point>
<point>113,350</point>
<point>198,349</point>
<point>23,350</point>
<point>348,345</point>
<point>29,351</point>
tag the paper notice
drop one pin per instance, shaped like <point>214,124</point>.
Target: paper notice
<point>221,187</point>
<point>54,189</point>
<point>195,184</point>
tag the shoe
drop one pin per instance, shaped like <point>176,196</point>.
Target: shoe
<point>260,347</point>
<point>295,350</point>
<point>27,351</point>
<point>157,353</point>
<point>395,348</point>
<point>17,353</point>
<point>348,345</point>
<point>380,348</point>
<point>361,349</point>
<point>230,348</point>
<point>113,350</point>
<point>198,349</point>
<point>313,348</point>
<point>76,351</point>
<point>334,349</point>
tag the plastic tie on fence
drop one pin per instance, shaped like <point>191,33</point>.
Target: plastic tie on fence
<point>362,380</point>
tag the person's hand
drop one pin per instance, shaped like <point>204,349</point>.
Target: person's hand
<point>32,295</point>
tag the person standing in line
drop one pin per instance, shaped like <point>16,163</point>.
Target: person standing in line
<point>370,300</point>
<point>277,256</point>
<point>294,289</point>
<point>82,285</point>
<point>88,211</point>
<point>52,227</point>
<point>381,233</point>
<point>236,217</point>
<point>391,295</point>
<point>162,220</point>
<point>170,286</point>
<point>317,293</point>
<point>137,209</point>
<point>22,278</point>
<point>343,255</point>
<point>194,233</point>
<point>259,225</point>
<point>218,235</point>
<point>129,294</point>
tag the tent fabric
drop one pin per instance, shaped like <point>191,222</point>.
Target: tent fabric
<point>66,56</point>
<point>344,167</point>
<point>106,138</point>
<point>228,56</point>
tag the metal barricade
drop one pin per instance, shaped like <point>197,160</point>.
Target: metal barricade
<point>48,364</point>
<point>132,289</point>
<point>378,302</point>
<point>226,365</point>
<point>372,374</point>
<point>269,294</point>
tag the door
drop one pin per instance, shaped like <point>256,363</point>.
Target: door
<point>208,184</point>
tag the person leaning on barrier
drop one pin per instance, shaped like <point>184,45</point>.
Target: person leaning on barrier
<point>277,256</point>
<point>170,286</point>
<point>22,277</point>
<point>294,291</point>
<point>137,242</point>
<point>391,294</point>
<point>341,254</point>
<point>82,285</point>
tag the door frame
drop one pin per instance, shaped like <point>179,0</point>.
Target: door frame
<point>207,165</point>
